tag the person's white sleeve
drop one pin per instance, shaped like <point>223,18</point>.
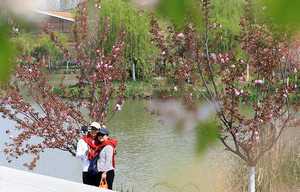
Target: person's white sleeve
<point>81,149</point>
<point>109,151</point>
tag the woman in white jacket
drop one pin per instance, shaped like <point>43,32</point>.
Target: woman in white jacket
<point>86,147</point>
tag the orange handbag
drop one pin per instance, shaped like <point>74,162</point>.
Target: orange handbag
<point>103,184</point>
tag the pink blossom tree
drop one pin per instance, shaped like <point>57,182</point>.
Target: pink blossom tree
<point>198,73</point>
<point>55,119</point>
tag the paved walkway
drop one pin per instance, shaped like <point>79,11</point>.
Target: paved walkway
<point>13,180</point>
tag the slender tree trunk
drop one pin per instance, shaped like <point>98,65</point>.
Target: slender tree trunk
<point>251,179</point>
<point>247,72</point>
<point>133,71</point>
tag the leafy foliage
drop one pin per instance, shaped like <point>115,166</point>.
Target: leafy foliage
<point>138,49</point>
<point>7,52</point>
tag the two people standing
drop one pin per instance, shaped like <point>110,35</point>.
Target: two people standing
<point>97,142</point>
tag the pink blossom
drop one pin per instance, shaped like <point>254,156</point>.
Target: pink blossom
<point>16,30</point>
<point>11,137</point>
<point>220,26</point>
<point>257,138</point>
<point>8,100</point>
<point>236,92</point>
<point>295,70</point>
<point>181,35</point>
<point>284,95</point>
<point>7,144</point>
<point>259,81</point>
<point>243,102</point>
<point>118,107</point>
<point>232,66</point>
<point>213,56</point>
<point>175,88</point>
<point>215,25</point>
<point>163,53</point>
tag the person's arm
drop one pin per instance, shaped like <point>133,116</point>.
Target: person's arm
<point>81,151</point>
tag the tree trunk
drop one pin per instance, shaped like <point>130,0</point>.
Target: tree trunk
<point>251,179</point>
<point>247,72</point>
<point>133,71</point>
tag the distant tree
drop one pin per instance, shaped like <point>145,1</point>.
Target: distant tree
<point>227,13</point>
<point>139,52</point>
<point>56,119</point>
<point>39,52</point>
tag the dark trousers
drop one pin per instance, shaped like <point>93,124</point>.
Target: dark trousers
<point>89,180</point>
<point>110,175</point>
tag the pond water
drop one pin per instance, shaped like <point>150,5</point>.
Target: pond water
<point>149,153</point>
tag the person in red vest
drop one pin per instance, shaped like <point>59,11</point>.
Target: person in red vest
<point>86,147</point>
<point>106,161</point>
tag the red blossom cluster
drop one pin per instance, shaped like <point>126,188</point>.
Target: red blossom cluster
<point>55,119</point>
